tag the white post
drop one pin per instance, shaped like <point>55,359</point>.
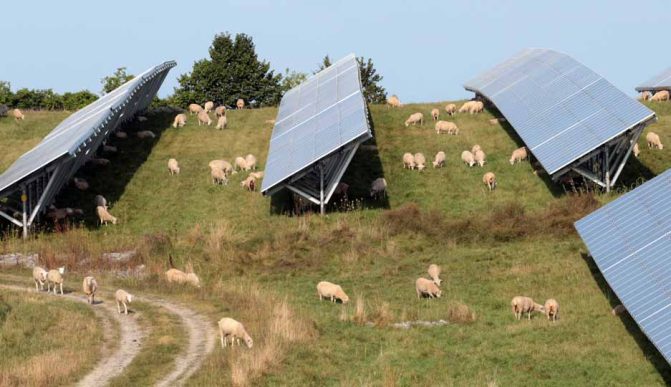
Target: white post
<point>24,199</point>
<point>321,189</point>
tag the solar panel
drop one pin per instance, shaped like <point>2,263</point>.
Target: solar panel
<point>630,241</point>
<point>561,109</point>
<point>660,81</point>
<point>322,116</point>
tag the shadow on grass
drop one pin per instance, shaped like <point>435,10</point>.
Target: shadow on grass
<point>634,173</point>
<point>634,330</point>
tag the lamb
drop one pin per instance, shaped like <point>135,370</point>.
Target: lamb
<point>654,141</point>
<point>123,297</point>
<point>466,106</point>
<point>240,163</point>
<point>109,149</point>
<point>662,95</point>
<point>104,216</point>
<point>55,277</point>
<point>204,118</point>
<point>331,291</point>
<point>435,113</point>
<point>414,119</point>
<point>476,107</point>
<point>446,127</point>
<point>240,103</point>
<point>434,273</point>
<point>194,108</point>
<point>222,122</point>
<point>209,105</point>
<point>475,148</point>
<point>645,96</point>
<point>636,150</point>
<point>145,134</point>
<point>100,201</point>
<point>218,176</point>
<point>521,304</point>
<point>250,160</point>
<point>518,155</point>
<point>393,101</point>
<point>99,162</point>
<point>427,288</point>
<point>223,165</point>
<point>551,309</point>
<point>89,287</point>
<point>235,330</point>
<point>480,158</point>
<point>173,167</point>
<point>121,134</point>
<point>180,120</point>
<point>378,188</point>
<point>420,161</point>
<point>249,183</point>
<point>220,111</point>
<point>439,160</point>
<point>80,183</point>
<point>18,115</point>
<point>40,277</point>
<point>408,161</point>
<point>490,180</point>
<point>468,158</point>
<point>450,109</point>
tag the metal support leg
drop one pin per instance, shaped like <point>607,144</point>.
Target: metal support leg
<point>24,199</point>
<point>321,190</point>
<point>606,168</point>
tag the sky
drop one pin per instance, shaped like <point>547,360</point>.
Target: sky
<point>424,50</point>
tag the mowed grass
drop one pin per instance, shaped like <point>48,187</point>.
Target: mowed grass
<point>230,235</point>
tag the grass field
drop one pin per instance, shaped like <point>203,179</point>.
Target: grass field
<point>491,246</point>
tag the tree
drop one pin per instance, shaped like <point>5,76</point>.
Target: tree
<point>6,95</point>
<point>326,62</point>
<point>77,100</point>
<point>292,79</point>
<point>115,80</point>
<point>370,79</point>
<point>233,71</point>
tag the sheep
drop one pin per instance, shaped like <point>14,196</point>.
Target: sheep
<point>240,103</point>
<point>100,201</point>
<point>99,162</point>
<point>341,190</point>
<point>220,111</point>
<point>476,107</point>
<point>420,161</point>
<point>393,101</point>
<point>378,188</point>
<point>439,160</point>
<point>435,113</point>
<point>636,150</point>
<point>120,134</point>
<point>480,158</point>
<point>104,216</point>
<point>55,277</point>
<point>414,119</point>
<point>446,127</point>
<point>194,108</point>
<point>518,155</point>
<point>551,309</point>
<point>89,287</point>
<point>40,277</point>
<point>180,120</point>
<point>18,115</point>
<point>466,107</point>
<point>109,149</point>
<point>177,276</point>
<point>654,141</point>
<point>141,119</point>
<point>143,134</point>
<point>259,175</point>
<point>80,183</point>
<point>218,176</point>
<point>475,148</point>
<point>332,292</point>
<point>58,214</point>
<point>662,95</point>
<point>489,179</point>
<point>425,287</point>
<point>209,105</point>
<point>223,165</point>
<point>222,122</point>
<point>408,161</point>
<point>645,96</point>
<point>272,122</point>
<point>173,167</point>
<point>434,273</point>
<point>250,160</point>
<point>467,157</point>
<point>521,304</point>
<point>204,118</point>
<point>240,163</point>
<point>450,109</point>
<point>123,297</point>
<point>249,183</point>
<point>618,310</point>
<point>235,330</point>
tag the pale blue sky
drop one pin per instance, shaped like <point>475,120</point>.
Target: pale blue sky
<point>424,50</point>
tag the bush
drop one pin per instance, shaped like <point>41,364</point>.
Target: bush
<point>77,100</point>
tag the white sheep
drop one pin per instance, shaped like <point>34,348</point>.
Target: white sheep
<point>408,161</point>
<point>636,150</point>
<point>662,95</point>
<point>18,115</point>
<point>122,298</point>
<point>240,103</point>
<point>80,183</point>
<point>427,288</point>
<point>121,134</point>
<point>331,291</point>
<point>518,155</point>
<point>476,107</point>
<point>467,157</point>
<point>378,188</point>
<point>222,122</point>
<point>414,119</point>
<point>55,277</point>
<point>475,148</point>
<point>250,160</point>
<point>450,108</point>
<point>551,309</point>
<point>218,176</point>
<point>223,165</point>
<point>439,160</point>
<point>420,161</point>
<point>100,201</point>
<point>40,277</point>
<point>104,216</point>
<point>435,113</point>
<point>180,120</point>
<point>194,108</point>
<point>259,175</point>
<point>480,158</point>
<point>141,119</point>
<point>145,134</point>
<point>204,118</point>
<point>89,287</point>
<point>434,273</point>
<point>521,304</point>
<point>173,167</point>
<point>179,277</point>
<point>466,106</point>
<point>645,96</point>
<point>240,163</point>
<point>249,183</point>
<point>393,101</point>
<point>653,140</point>
<point>446,127</point>
<point>209,105</point>
<point>489,179</point>
<point>220,111</point>
<point>230,328</point>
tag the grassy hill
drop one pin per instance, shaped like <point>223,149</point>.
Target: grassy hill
<point>517,240</point>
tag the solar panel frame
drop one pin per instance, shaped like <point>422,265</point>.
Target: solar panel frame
<point>661,81</point>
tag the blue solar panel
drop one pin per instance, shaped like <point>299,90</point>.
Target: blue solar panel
<point>661,81</point>
<point>630,241</point>
<point>561,109</point>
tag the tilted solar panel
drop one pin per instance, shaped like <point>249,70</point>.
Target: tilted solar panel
<point>630,241</point>
<point>660,81</point>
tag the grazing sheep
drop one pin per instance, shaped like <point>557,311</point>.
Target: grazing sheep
<point>645,96</point>
<point>435,113</point>
<point>218,176</point>
<point>466,106</point>
<point>220,111</point>
<point>109,149</point>
<point>180,277</point>
<point>123,297</point>
<point>551,309</point>
<point>378,188</point>
<point>235,330</point>
<point>222,122</point>
<point>259,175</point>
<point>446,127</point>
<point>393,101</point>
<point>662,95</point>
<point>204,118</point>
<point>420,161</point>
<point>104,216</point>
<point>58,214</point>
<point>55,277</point>
<point>121,134</point>
<point>209,105</point>
<point>341,190</point>
<point>450,109</point>
<point>434,273</point>
<point>18,115</point>
<point>223,165</point>
<point>89,286</point>
<point>40,277</point>
<point>240,163</point>
<point>240,103</point>
<point>654,141</point>
<point>332,292</point>
<point>100,201</point>
<point>490,180</point>
<point>480,158</point>
<point>249,183</point>
<point>180,120</point>
<point>250,160</point>
<point>521,304</point>
<point>145,134</point>
<point>173,167</point>
<point>518,155</point>
<point>99,162</point>
<point>476,107</point>
<point>194,108</point>
<point>467,157</point>
<point>414,119</point>
<point>618,310</point>
<point>427,288</point>
<point>272,122</point>
<point>80,183</point>
<point>408,161</point>
<point>439,160</point>
<point>475,148</point>
<point>636,150</point>
<point>141,119</point>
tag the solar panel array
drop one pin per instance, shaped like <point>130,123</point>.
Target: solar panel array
<point>630,241</point>
<point>316,118</point>
<point>660,81</point>
<point>561,109</point>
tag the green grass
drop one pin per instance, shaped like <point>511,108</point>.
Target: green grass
<point>230,235</point>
